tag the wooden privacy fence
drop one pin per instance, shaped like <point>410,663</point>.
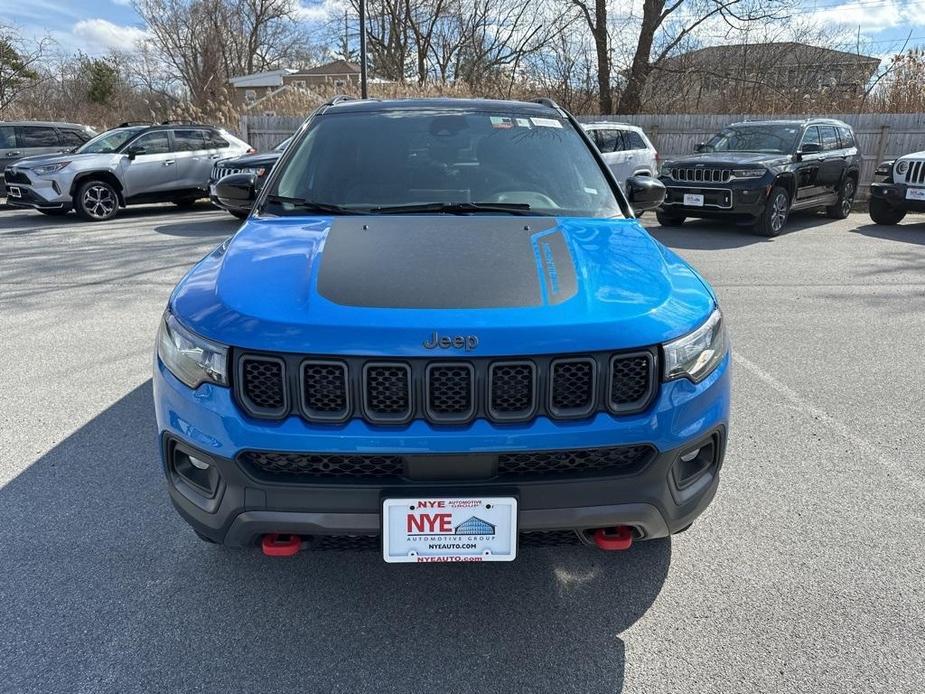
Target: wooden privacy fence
<point>265,132</point>
<point>880,135</point>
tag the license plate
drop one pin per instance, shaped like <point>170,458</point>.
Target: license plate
<point>915,193</point>
<point>14,191</point>
<point>693,200</point>
<point>449,529</point>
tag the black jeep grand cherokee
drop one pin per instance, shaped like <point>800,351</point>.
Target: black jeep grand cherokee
<point>756,172</point>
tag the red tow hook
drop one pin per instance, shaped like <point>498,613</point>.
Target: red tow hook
<point>279,545</point>
<point>611,539</point>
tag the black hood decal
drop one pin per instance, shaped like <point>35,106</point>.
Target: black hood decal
<point>446,262</point>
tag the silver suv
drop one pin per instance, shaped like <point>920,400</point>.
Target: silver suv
<point>170,162</point>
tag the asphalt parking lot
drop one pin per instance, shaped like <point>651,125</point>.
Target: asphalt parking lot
<point>805,575</point>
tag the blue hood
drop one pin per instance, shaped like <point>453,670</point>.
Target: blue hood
<point>297,284</point>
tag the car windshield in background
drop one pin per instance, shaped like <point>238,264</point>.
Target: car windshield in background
<point>443,161</point>
<point>108,142</point>
<point>773,139</point>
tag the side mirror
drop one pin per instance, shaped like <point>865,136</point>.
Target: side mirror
<point>134,151</point>
<point>237,190</point>
<point>811,148</point>
<point>644,192</point>
<point>703,147</point>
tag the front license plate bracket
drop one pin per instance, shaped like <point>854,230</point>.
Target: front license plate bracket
<point>449,529</point>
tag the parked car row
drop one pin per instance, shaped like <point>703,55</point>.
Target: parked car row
<point>753,173</point>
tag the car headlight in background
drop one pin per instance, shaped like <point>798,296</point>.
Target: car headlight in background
<point>192,359</point>
<point>901,166</point>
<point>748,173</point>
<point>696,354</point>
<point>666,170</point>
<point>49,169</point>
<point>884,168</point>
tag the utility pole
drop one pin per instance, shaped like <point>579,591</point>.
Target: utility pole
<point>363,93</point>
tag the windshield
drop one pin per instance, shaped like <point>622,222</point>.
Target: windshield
<point>452,161</point>
<point>773,139</point>
<point>109,142</point>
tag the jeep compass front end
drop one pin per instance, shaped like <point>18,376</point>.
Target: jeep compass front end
<point>441,329</point>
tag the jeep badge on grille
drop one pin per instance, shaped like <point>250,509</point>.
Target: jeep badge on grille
<point>463,342</point>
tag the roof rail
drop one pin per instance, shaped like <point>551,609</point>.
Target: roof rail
<point>339,98</point>
<point>546,101</point>
<point>129,123</point>
<point>181,122</point>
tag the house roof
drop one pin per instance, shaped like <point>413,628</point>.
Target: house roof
<point>335,67</point>
<point>788,53</point>
<point>271,78</point>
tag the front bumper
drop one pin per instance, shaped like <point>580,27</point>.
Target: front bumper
<point>37,192</point>
<point>742,200</point>
<point>207,423</point>
<point>894,194</point>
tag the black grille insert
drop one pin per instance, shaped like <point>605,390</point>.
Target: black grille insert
<point>632,381</point>
<point>450,391</point>
<point>323,465</point>
<point>613,460</point>
<point>387,391</point>
<point>512,390</point>
<point>573,392</point>
<point>263,385</point>
<point>305,467</point>
<point>325,391</point>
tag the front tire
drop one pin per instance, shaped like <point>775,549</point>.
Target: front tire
<point>772,220</point>
<point>96,201</point>
<point>884,213</point>
<point>842,208</point>
<point>666,219</point>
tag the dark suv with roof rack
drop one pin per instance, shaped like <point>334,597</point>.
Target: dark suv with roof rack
<point>133,163</point>
<point>756,172</point>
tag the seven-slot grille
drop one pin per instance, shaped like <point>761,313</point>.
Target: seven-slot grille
<point>444,392</point>
<point>701,175</point>
<point>219,171</point>
<point>916,172</point>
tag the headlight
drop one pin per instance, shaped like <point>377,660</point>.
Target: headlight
<point>666,169</point>
<point>696,354</point>
<point>884,169</point>
<point>49,169</point>
<point>901,166</point>
<point>748,173</point>
<point>191,358</point>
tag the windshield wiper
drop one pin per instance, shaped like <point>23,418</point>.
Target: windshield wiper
<point>311,206</point>
<point>455,208</point>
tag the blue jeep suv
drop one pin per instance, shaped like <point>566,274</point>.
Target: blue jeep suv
<point>442,331</point>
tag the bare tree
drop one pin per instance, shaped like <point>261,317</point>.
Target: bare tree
<point>679,19</point>
<point>20,63</point>
<point>204,42</point>
<point>595,16</point>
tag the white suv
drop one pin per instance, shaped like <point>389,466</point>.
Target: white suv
<point>625,148</point>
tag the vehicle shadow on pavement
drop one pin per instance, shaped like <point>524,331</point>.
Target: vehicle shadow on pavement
<point>711,235</point>
<point>209,227</point>
<point>105,589</point>
<point>911,231</point>
<point>19,221</point>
